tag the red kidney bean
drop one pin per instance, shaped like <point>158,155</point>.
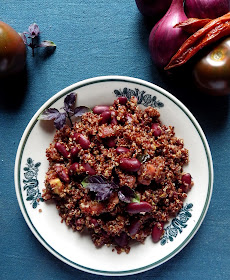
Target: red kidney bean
<point>62,174</point>
<point>121,150</point>
<point>74,152</point>
<point>106,116</point>
<point>186,179</point>
<point>156,129</point>
<point>110,142</point>
<point>134,227</point>
<point>76,136</point>
<point>157,231</point>
<point>100,108</point>
<point>83,141</point>
<point>64,177</point>
<point>62,149</point>
<point>122,100</point>
<point>89,170</point>
<point>186,182</point>
<point>137,207</point>
<point>73,168</point>
<point>122,240</point>
<point>130,164</point>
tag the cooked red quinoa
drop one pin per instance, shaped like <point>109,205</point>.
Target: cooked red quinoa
<point>158,181</point>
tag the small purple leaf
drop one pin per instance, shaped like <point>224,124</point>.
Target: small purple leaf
<point>100,186</point>
<point>47,43</point>
<point>95,179</point>
<point>69,102</point>
<point>126,194</point>
<point>33,30</point>
<point>49,114</point>
<point>103,191</point>
<point>60,120</point>
<point>79,111</point>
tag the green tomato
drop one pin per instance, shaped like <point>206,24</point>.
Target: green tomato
<point>212,72</point>
<point>12,51</point>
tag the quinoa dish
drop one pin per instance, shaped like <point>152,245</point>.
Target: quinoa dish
<point>117,173</point>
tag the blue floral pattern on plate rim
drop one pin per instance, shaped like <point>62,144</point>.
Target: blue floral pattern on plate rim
<point>31,183</point>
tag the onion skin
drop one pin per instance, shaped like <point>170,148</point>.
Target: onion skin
<point>151,8</point>
<point>212,72</point>
<point>164,39</point>
<point>206,8</point>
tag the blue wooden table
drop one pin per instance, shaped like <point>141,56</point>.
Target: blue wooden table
<point>96,38</point>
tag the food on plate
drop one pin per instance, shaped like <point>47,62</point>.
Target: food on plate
<point>12,51</point>
<point>212,71</point>
<point>117,172</point>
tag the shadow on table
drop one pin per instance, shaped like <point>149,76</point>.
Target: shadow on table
<point>13,90</point>
<point>207,109</point>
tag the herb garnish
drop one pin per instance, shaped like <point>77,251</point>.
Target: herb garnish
<point>104,188</point>
<point>100,186</point>
<point>69,111</point>
<point>143,157</point>
<point>32,38</point>
<point>128,195</point>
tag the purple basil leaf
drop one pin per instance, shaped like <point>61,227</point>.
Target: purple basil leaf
<point>100,186</point>
<point>126,194</point>
<point>95,179</point>
<point>49,114</point>
<point>47,43</point>
<point>60,120</point>
<point>103,191</point>
<point>79,111</point>
<point>69,101</point>
<point>33,30</point>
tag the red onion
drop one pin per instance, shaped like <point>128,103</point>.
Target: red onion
<point>164,40</point>
<point>206,8</point>
<point>153,7</point>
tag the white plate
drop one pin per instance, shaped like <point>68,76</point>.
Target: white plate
<point>77,249</point>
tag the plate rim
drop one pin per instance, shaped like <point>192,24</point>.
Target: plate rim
<point>34,120</point>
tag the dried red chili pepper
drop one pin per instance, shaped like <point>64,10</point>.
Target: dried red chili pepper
<point>192,25</point>
<point>210,33</point>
